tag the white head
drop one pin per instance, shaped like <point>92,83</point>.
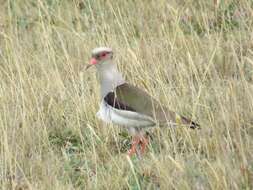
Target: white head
<point>100,56</point>
<point>108,73</point>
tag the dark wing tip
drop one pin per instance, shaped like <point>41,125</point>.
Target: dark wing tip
<point>194,125</point>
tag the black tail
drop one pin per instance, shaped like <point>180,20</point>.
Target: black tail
<point>191,123</point>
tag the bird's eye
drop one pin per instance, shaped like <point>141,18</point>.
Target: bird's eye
<point>103,54</point>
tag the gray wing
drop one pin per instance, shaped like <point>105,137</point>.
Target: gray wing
<point>131,98</point>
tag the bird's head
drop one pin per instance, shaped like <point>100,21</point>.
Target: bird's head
<point>100,56</point>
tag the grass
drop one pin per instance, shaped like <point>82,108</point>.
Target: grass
<point>195,57</point>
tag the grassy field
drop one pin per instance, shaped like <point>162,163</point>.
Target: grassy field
<point>194,56</point>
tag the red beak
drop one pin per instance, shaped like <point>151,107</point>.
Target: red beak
<point>93,61</point>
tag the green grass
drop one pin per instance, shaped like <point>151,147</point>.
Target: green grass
<point>193,57</point>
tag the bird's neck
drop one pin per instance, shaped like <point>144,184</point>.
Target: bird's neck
<point>109,77</point>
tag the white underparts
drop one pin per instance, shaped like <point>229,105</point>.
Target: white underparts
<point>122,117</point>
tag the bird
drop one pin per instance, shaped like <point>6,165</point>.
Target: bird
<point>127,105</point>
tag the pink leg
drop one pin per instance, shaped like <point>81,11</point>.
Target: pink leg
<point>144,142</point>
<point>135,142</point>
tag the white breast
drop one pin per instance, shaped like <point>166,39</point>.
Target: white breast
<point>122,117</point>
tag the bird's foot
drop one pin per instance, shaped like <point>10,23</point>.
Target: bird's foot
<point>138,141</point>
<point>133,149</point>
<point>144,142</point>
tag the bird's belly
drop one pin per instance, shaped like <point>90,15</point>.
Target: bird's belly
<point>122,117</point>
<point>130,119</point>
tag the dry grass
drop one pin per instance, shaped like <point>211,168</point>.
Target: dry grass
<point>196,59</point>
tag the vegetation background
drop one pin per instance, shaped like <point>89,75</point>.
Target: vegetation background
<point>195,56</point>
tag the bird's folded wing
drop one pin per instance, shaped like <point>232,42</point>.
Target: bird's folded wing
<point>131,98</point>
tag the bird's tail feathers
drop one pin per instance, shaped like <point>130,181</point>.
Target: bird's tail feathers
<point>185,121</point>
